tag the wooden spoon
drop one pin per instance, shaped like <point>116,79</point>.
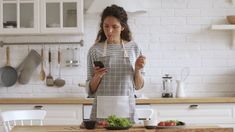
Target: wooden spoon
<point>42,72</point>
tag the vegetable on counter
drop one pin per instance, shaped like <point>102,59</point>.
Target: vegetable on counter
<point>114,121</point>
<point>171,123</point>
<point>103,123</point>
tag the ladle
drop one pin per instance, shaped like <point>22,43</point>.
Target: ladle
<point>59,82</point>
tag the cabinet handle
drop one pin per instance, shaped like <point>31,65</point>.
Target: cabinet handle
<point>38,107</point>
<point>193,106</point>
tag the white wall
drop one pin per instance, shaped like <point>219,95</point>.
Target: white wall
<point>173,34</point>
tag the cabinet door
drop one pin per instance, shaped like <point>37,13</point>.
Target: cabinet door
<point>63,114</point>
<point>56,114</point>
<point>62,16</point>
<point>19,16</point>
<point>196,113</point>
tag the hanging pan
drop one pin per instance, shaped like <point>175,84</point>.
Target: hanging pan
<point>8,74</point>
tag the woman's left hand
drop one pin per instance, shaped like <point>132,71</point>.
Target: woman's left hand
<point>140,62</point>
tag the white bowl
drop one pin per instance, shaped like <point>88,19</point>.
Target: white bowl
<point>150,122</point>
<point>231,19</point>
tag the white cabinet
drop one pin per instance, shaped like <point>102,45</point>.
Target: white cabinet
<point>41,17</point>
<point>221,114</point>
<point>61,16</point>
<point>19,16</point>
<point>56,114</point>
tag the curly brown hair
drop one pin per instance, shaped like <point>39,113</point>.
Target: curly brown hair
<point>120,14</point>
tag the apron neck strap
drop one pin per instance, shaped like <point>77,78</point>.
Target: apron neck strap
<point>105,49</point>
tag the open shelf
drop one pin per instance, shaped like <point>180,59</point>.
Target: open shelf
<point>223,27</point>
<point>226,27</point>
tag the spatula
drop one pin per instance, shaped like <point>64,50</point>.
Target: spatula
<point>49,79</point>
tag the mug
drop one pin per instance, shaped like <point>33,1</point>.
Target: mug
<point>150,124</point>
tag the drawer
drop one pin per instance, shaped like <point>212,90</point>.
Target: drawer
<point>195,113</point>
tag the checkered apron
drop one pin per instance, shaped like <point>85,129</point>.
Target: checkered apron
<point>118,81</point>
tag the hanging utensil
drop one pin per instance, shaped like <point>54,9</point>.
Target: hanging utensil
<point>72,60</point>
<point>49,79</point>
<point>8,74</point>
<point>28,66</point>
<point>185,73</point>
<point>75,60</point>
<point>59,82</point>
<point>42,72</point>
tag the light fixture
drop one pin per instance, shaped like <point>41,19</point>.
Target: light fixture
<point>131,6</point>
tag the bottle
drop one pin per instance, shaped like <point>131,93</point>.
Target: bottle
<point>180,89</point>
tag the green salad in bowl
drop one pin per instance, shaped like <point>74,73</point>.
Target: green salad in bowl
<point>115,122</point>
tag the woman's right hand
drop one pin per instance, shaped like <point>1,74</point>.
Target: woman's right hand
<point>95,81</point>
<point>99,72</point>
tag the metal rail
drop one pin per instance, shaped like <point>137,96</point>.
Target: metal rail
<point>81,42</point>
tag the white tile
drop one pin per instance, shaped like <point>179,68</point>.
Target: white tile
<point>172,34</point>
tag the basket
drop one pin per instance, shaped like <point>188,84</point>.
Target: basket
<point>231,19</point>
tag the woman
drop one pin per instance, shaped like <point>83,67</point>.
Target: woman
<point>122,59</point>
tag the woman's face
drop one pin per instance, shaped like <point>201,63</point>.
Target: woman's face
<point>112,29</point>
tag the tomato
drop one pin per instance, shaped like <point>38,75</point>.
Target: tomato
<point>170,123</point>
<point>167,123</point>
<point>161,123</point>
<point>103,123</point>
<point>173,123</point>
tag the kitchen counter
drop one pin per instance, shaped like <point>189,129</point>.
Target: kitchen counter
<point>138,101</point>
<point>134,129</point>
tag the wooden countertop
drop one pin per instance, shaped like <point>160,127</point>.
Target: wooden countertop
<point>67,128</point>
<point>138,101</point>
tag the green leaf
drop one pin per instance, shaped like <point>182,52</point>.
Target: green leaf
<point>114,121</point>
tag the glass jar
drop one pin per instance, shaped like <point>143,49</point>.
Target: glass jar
<point>167,85</point>
<point>72,58</point>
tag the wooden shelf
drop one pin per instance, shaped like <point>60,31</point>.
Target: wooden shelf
<point>226,27</point>
<point>223,27</point>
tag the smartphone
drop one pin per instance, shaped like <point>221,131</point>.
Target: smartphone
<point>99,64</point>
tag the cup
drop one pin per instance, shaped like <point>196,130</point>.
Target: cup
<point>150,124</point>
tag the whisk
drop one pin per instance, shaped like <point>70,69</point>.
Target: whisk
<point>185,73</point>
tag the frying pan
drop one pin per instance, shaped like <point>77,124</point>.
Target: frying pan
<point>8,74</point>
